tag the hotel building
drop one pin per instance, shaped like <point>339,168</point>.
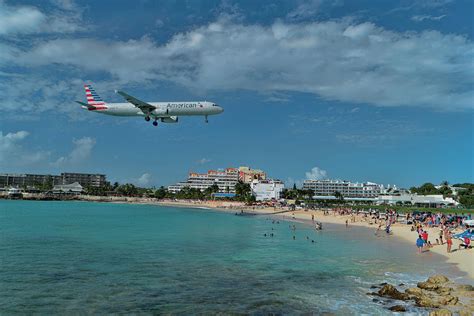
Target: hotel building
<point>247,174</point>
<point>346,188</point>
<point>225,180</point>
<point>31,180</point>
<point>84,179</point>
<point>265,190</point>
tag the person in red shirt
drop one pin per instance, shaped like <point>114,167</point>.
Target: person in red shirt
<point>466,244</point>
<point>424,235</point>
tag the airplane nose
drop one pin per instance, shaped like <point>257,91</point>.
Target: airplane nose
<point>221,109</point>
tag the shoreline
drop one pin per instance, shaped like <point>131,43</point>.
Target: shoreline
<point>462,259</point>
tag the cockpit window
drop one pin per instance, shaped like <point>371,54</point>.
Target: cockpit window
<point>215,104</point>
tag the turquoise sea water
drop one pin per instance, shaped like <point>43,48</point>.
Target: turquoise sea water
<point>70,257</point>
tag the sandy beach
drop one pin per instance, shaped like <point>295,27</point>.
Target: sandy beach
<point>463,259</point>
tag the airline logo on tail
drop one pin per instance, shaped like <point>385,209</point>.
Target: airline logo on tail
<point>94,101</point>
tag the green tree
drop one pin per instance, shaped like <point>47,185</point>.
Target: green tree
<point>445,191</point>
<point>425,189</point>
<point>48,184</point>
<point>161,193</point>
<point>214,188</point>
<point>127,189</point>
<point>338,195</point>
<point>243,191</point>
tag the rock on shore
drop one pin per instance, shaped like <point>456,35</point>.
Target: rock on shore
<point>438,293</point>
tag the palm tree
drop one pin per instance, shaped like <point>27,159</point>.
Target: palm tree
<point>339,196</point>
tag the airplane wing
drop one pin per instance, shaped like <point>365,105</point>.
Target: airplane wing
<point>145,107</point>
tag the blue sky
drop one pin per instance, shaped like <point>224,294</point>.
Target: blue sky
<point>376,91</point>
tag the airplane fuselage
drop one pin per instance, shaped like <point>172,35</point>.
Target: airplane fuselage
<point>163,109</point>
<point>166,112</point>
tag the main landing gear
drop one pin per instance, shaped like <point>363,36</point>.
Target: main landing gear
<point>155,122</point>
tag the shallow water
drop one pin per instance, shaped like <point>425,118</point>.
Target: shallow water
<point>69,257</point>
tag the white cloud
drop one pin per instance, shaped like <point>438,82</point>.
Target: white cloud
<point>316,174</point>
<point>18,20</point>
<point>421,18</point>
<point>13,153</point>
<point>203,161</point>
<point>304,10</point>
<point>144,180</point>
<point>336,60</point>
<point>81,152</point>
<point>432,3</point>
<point>24,96</point>
<point>10,141</point>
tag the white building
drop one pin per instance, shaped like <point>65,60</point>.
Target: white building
<point>73,188</point>
<point>225,180</point>
<point>414,199</point>
<point>346,188</point>
<point>265,190</point>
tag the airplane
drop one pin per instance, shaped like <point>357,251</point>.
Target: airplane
<point>166,112</point>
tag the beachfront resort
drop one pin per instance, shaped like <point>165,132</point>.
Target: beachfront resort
<point>229,183</point>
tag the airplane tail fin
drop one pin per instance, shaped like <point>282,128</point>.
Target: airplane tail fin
<point>94,101</point>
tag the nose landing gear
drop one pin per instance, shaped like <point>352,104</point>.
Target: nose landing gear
<point>206,120</point>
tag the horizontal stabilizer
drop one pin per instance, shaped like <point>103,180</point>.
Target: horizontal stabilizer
<point>90,107</point>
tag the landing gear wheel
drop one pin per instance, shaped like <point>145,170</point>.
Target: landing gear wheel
<point>147,118</point>
<point>155,123</point>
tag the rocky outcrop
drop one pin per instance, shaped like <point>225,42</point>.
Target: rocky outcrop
<point>398,308</point>
<point>433,283</point>
<point>437,279</point>
<point>441,312</point>
<point>414,291</point>
<point>448,300</point>
<point>425,301</point>
<point>390,291</point>
<point>465,312</point>
<point>435,293</point>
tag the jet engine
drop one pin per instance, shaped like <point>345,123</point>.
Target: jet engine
<point>171,119</point>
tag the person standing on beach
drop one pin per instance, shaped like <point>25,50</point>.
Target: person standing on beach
<point>449,241</point>
<point>420,243</point>
<point>347,223</point>
<point>441,233</point>
<point>424,235</point>
<point>312,217</point>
